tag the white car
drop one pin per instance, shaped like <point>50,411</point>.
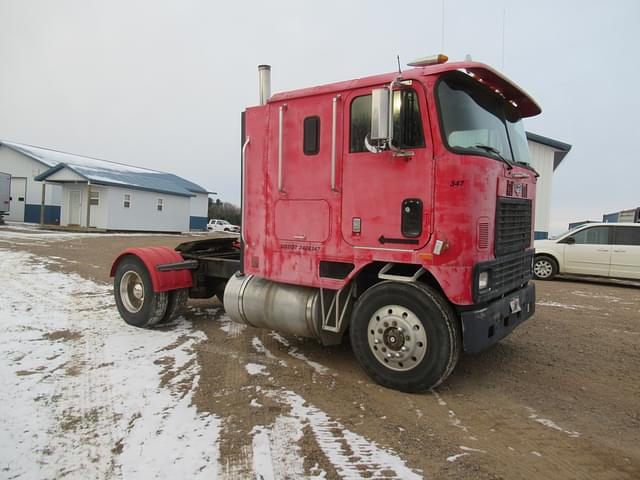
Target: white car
<point>216,225</point>
<point>600,249</point>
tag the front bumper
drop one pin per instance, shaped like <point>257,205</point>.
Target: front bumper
<point>486,326</point>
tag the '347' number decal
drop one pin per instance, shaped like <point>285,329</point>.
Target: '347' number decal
<point>456,183</point>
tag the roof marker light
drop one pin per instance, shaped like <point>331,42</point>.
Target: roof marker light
<point>430,60</point>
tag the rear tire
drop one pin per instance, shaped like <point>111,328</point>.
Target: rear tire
<point>175,305</point>
<point>544,267</point>
<point>405,336</point>
<point>137,303</point>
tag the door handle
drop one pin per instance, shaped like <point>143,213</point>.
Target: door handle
<point>619,251</point>
<point>603,250</point>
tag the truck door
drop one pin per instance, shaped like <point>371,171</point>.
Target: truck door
<point>386,199</point>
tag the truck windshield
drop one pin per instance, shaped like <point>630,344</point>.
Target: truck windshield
<point>477,121</point>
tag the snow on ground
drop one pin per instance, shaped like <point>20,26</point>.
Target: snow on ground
<point>86,396</point>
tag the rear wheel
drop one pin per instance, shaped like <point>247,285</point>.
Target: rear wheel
<point>405,336</point>
<point>544,267</point>
<point>137,303</point>
<point>175,304</point>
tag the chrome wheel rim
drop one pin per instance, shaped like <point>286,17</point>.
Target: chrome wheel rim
<point>397,338</point>
<point>543,268</point>
<point>132,291</point>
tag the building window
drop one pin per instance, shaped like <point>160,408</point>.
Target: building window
<point>94,198</point>
<point>127,200</point>
<point>311,140</point>
<point>160,206</point>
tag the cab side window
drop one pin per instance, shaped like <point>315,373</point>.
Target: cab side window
<point>407,122</point>
<point>626,236</point>
<point>592,236</point>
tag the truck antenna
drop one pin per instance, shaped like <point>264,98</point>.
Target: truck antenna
<point>399,69</point>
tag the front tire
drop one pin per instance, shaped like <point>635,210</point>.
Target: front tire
<point>544,268</point>
<point>137,303</point>
<point>405,336</point>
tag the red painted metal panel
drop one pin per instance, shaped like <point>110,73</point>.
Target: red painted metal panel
<point>153,256</point>
<point>302,220</point>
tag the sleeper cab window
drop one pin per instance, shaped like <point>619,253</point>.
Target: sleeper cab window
<point>160,205</point>
<point>127,200</point>
<point>311,140</point>
<point>407,121</point>
<point>94,198</point>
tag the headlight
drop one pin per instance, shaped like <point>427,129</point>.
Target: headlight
<point>483,281</point>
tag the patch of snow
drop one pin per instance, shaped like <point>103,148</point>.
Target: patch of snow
<point>279,338</point>
<point>352,455</point>
<point>233,329</point>
<point>286,432</point>
<point>469,449</point>
<point>453,458</point>
<point>441,402</point>
<point>319,368</point>
<point>262,466</point>
<point>537,454</point>
<point>255,404</point>
<point>567,307</point>
<point>550,423</point>
<point>256,369</point>
<point>608,298</point>
<point>88,395</point>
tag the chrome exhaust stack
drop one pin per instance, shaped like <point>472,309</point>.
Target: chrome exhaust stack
<point>264,75</point>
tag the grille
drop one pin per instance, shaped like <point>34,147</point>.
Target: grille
<point>511,272</point>
<point>506,274</point>
<point>513,226</point>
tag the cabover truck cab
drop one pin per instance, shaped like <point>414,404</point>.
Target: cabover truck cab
<point>396,207</point>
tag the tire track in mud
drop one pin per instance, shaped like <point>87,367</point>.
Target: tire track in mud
<point>275,439</point>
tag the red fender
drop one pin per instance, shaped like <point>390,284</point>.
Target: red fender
<point>152,256</point>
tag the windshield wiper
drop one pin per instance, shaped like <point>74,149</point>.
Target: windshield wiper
<point>495,151</point>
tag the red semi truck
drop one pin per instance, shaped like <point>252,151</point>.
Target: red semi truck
<point>398,208</point>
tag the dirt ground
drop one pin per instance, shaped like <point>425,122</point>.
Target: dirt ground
<point>559,398</point>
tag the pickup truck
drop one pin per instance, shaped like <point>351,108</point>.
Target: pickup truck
<point>216,225</point>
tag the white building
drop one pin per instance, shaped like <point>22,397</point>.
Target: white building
<point>26,193</point>
<point>547,155</point>
<point>112,196</point>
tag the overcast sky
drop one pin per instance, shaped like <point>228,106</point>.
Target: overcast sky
<point>161,84</point>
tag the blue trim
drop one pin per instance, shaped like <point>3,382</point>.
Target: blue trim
<point>51,214</point>
<point>197,223</point>
<point>541,235</point>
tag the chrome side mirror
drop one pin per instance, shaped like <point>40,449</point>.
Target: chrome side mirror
<point>380,137</point>
<point>379,114</point>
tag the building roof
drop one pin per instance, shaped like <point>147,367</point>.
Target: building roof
<point>23,149</point>
<point>102,172</point>
<point>561,148</point>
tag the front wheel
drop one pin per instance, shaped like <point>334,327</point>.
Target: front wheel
<point>137,303</point>
<point>405,336</point>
